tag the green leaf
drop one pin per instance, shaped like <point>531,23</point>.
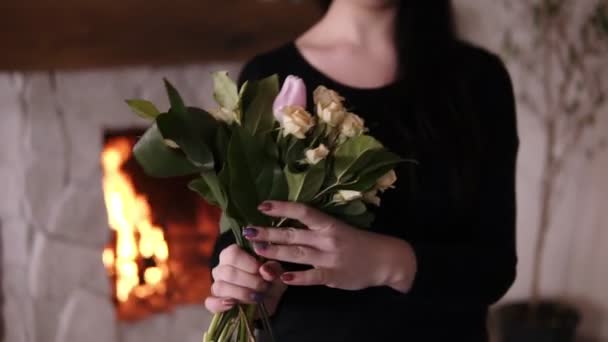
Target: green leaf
<point>201,187</point>
<point>354,213</point>
<point>351,155</point>
<point>225,90</point>
<point>258,98</point>
<point>375,165</point>
<point>186,132</point>
<point>159,160</point>
<point>210,188</point>
<point>143,108</point>
<point>364,220</point>
<point>216,188</point>
<point>352,208</point>
<point>249,174</point>
<point>303,186</point>
<point>228,223</point>
<point>177,104</point>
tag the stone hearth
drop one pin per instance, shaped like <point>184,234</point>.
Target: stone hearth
<point>52,214</point>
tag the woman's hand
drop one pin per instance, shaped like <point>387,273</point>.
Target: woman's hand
<point>239,277</point>
<point>342,256</point>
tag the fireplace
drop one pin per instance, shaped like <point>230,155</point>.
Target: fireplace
<point>162,235</point>
<point>54,221</point>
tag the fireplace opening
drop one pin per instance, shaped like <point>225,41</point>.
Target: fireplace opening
<point>162,235</point>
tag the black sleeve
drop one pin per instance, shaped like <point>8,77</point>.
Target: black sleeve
<point>480,271</point>
<point>252,70</point>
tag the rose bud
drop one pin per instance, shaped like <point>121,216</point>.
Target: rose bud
<point>343,196</point>
<point>386,181</point>
<point>315,155</point>
<point>352,126</point>
<point>296,121</point>
<point>293,93</point>
<point>330,108</point>
<point>372,197</point>
<point>225,115</point>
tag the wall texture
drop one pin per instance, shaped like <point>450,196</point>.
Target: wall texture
<point>575,265</point>
<point>52,215</point>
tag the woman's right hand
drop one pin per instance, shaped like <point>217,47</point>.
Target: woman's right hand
<point>240,278</point>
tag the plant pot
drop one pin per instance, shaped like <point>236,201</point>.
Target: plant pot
<point>550,321</point>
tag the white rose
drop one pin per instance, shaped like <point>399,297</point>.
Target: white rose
<point>386,181</point>
<point>315,155</point>
<point>296,121</point>
<point>225,115</point>
<point>352,126</point>
<point>330,108</point>
<point>333,115</point>
<point>344,196</point>
<point>372,197</point>
<point>324,97</point>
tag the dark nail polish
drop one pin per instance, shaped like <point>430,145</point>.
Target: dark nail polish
<point>265,206</point>
<point>250,232</point>
<point>261,246</point>
<point>270,271</point>
<point>257,297</point>
<point>287,277</point>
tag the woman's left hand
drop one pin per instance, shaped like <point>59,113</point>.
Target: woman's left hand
<point>342,256</point>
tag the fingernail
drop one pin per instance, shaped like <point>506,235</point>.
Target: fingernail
<point>257,297</point>
<point>270,271</point>
<point>250,232</point>
<point>262,245</point>
<point>228,302</point>
<point>265,206</point>
<point>287,277</point>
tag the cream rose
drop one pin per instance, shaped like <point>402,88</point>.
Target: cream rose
<point>296,121</point>
<point>352,126</point>
<point>343,196</point>
<point>372,197</point>
<point>386,181</point>
<point>315,155</point>
<point>330,108</point>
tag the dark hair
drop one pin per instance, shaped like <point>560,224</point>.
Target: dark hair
<point>444,122</point>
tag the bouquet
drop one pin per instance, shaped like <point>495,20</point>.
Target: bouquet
<point>262,144</point>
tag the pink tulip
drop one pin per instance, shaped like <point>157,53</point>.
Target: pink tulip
<point>293,93</point>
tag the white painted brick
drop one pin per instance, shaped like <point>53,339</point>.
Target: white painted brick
<point>44,131</point>
<point>87,317</point>
<point>190,322</point>
<point>46,313</point>
<point>79,214</point>
<point>11,183</point>
<point>153,329</point>
<point>15,235</point>
<point>18,319</point>
<point>58,268</point>
<point>44,178</point>
<point>14,281</point>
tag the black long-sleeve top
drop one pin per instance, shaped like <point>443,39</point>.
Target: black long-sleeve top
<point>466,260</point>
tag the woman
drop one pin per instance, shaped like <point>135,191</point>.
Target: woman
<point>442,248</point>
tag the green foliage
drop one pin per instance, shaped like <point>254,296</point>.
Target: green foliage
<point>143,108</point>
<point>238,165</point>
<point>225,91</point>
<point>303,186</point>
<point>354,154</point>
<point>251,173</point>
<point>257,99</point>
<point>159,160</point>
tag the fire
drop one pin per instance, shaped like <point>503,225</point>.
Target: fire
<point>139,260</point>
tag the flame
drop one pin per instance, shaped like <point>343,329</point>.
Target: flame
<point>129,215</point>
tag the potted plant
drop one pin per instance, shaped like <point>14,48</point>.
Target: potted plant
<point>561,52</point>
